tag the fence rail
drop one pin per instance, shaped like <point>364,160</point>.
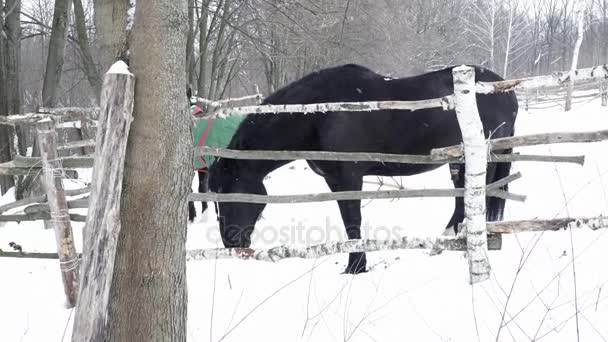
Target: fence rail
<point>450,154</point>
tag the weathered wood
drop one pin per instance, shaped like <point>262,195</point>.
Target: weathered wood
<point>77,144</point>
<point>80,203</point>
<point>222,103</point>
<point>28,255</point>
<point>368,156</point>
<point>561,78</point>
<point>350,195</point>
<point>38,216</point>
<point>74,162</point>
<point>436,244</point>
<point>475,152</point>
<point>47,142</point>
<point>14,170</point>
<point>455,151</point>
<point>58,115</point>
<point>103,223</point>
<point>445,102</point>
<point>513,227</point>
<point>40,199</point>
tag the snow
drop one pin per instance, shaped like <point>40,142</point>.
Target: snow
<point>408,295</point>
<point>119,67</point>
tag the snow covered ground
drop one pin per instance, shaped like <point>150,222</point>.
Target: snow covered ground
<point>408,295</point>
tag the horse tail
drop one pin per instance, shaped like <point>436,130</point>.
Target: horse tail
<point>495,206</point>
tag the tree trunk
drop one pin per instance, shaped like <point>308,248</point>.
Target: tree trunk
<point>148,299</point>
<point>111,23</point>
<point>190,64</point>
<point>11,139</point>
<point>6,182</point>
<point>203,42</point>
<point>85,50</point>
<point>54,62</point>
<point>580,20</point>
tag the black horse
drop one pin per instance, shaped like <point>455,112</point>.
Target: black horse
<point>202,187</point>
<point>203,176</point>
<point>385,131</point>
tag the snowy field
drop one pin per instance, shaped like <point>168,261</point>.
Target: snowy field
<point>407,295</point>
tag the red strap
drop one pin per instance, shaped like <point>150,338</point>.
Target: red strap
<point>201,141</point>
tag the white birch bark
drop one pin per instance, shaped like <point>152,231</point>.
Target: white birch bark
<point>579,14</point>
<point>475,153</point>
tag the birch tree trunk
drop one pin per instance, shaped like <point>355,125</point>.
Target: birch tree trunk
<point>579,11</point>
<point>149,297</point>
<point>54,62</point>
<point>110,23</point>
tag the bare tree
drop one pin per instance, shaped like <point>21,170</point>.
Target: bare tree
<point>148,296</point>
<point>11,140</point>
<point>85,50</point>
<point>54,62</point>
<point>481,26</point>
<point>579,11</point>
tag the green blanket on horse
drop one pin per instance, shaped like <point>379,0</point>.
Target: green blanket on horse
<point>212,132</point>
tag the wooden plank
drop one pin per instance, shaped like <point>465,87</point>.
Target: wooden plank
<point>344,195</point>
<point>103,219</point>
<point>67,114</point>
<point>456,151</point>
<point>40,199</point>
<point>69,263</point>
<point>28,255</point>
<point>445,102</point>
<point>436,244</point>
<point>369,156</point>
<point>38,216</point>
<point>561,78</point>
<point>89,143</point>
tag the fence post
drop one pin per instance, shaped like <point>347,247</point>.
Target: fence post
<point>60,217</point>
<point>604,92</point>
<point>103,218</point>
<point>475,153</point>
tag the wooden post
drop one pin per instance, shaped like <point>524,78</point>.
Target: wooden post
<point>604,92</point>
<point>475,152</point>
<point>103,219</point>
<point>60,218</point>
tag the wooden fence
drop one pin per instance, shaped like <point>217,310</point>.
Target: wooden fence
<point>463,100</point>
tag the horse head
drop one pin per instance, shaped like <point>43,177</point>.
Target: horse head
<point>236,219</point>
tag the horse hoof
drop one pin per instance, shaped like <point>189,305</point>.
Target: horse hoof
<point>354,270</point>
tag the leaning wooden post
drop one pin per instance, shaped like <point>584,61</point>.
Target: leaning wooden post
<point>475,156</point>
<point>103,219</point>
<point>60,217</point>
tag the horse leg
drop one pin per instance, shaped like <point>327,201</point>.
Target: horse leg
<point>203,186</point>
<point>495,206</point>
<point>351,216</point>
<point>191,211</point>
<point>457,172</point>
